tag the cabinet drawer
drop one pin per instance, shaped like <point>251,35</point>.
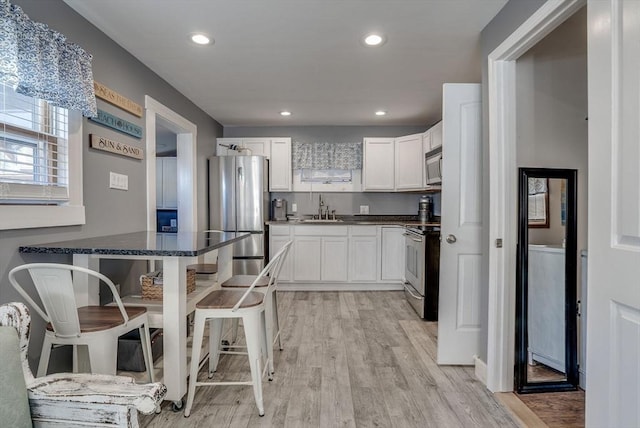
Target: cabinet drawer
<point>279,230</point>
<point>320,230</point>
<point>363,230</point>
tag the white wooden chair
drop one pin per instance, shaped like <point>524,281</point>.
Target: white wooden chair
<point>247,305</point>
<point>268,286</point>
<point>73,399</point>
<point>97,327</point>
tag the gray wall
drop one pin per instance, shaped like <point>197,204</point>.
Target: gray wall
<point>510,17</point>
<point>552,108</point>
<point>551,111</point>
<point>343,203</point>
<point>107,211</point>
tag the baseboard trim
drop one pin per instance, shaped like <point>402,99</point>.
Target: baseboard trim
<point>330,286</point>
<point>480,369</point>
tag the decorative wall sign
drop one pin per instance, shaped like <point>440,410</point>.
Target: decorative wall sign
<point>112,97</point>
<point>107,145</point>
<point>106,119</point>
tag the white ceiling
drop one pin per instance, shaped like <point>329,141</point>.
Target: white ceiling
<point>304,55</point>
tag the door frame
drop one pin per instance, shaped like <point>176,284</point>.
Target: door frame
<point>503,186</point>
<point>186,153</point>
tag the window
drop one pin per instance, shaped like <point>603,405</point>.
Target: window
<point>40,177</point>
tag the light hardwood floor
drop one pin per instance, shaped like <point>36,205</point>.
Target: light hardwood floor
<point>350,359</point>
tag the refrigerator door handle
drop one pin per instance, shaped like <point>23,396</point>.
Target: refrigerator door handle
<point>240,174</point>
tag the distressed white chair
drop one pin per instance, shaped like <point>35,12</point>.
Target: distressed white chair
<point>248,305</point>
<point>97,327</point>
<point>67,399</point>
<point>267,285</point>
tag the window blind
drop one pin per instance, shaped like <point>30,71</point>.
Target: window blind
<point>34,159</point>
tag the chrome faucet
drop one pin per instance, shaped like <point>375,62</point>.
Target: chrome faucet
<point>320,205</point>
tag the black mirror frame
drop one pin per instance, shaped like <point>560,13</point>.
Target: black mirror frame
<point>522,385</point>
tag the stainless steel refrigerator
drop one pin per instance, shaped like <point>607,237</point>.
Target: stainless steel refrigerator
<point>239,202</point>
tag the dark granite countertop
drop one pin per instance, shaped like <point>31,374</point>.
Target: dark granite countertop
<point>374,220</point>
<point>141,244</point>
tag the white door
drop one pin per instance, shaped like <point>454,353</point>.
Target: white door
<point>613,321</point>
<point>461,211</point>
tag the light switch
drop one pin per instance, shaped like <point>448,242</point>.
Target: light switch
<point>364,209</point>
<point>118,181</point>
<point>294,208</point>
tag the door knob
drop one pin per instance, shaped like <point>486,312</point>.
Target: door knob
<point>451,239</point>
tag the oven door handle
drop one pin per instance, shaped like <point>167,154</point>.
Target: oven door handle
<point>408,288</point>
<point>412,237</point>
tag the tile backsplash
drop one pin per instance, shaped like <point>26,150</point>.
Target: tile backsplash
<point>349,203</point>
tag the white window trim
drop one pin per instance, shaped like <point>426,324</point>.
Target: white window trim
<point>68,214</point>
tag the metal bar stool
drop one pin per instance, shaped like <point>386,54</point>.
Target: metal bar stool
<point>219,305</point>
<point>267,286</point>
<point>97,327</point>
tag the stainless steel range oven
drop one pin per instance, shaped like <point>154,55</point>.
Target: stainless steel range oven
<point>422,269</point>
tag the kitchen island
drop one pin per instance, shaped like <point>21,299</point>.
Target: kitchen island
<point>176,251</point>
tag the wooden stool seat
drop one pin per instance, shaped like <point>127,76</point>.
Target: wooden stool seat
<point>100,318</point>
<point>226,299</point>
<point>245,281</point>
<point>204,268</point>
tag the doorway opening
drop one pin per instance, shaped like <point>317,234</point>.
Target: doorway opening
<point>160,117</point>
<point>504,160</point>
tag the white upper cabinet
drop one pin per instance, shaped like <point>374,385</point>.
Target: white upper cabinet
<point>277,150</point>
<point>378,164</point>
<point>253,146</point>
<point>436,136</point>
<point>280,165</point>
<point>409,162</point>
<point>167,183</point>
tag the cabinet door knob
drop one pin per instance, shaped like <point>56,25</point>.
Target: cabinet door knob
<point>451,239</point>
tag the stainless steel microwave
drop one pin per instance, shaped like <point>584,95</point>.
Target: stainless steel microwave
<point>433,168</point>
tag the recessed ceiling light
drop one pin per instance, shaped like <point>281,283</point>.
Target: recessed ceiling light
<point>381,113</point>
<point>201,39</point>
<point>373,39</point>
<point>285,113</point>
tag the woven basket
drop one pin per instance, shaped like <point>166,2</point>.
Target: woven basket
<point>152,284</point>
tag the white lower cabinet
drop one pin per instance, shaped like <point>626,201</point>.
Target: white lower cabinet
<point>334,258</point>
<point>276,243</point>
<point>339,257</point>
<point>307,251</point>
<point>392,257</point>
<point>363,253</point>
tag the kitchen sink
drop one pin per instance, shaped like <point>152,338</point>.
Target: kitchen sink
<point>309,220</point>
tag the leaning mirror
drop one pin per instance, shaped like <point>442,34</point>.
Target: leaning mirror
<point>546,341</point>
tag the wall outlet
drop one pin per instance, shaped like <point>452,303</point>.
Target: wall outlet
<point>294,208</point>
<point>364,209</point>
<point>118,181</point>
